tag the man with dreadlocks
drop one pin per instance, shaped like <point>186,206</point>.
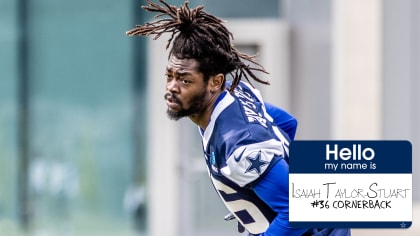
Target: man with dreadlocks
<point>245,140</point>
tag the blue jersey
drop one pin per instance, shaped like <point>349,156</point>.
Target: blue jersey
<point>242,143</point>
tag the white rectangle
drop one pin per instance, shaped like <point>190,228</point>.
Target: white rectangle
<point>350,197</point>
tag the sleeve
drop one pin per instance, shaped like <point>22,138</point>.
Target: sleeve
<point>282,119</point>
<point>273,189</point>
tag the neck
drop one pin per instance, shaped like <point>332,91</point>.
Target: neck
<point>202,119</point>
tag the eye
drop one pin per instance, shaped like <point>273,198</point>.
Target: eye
<point>185,81</point>
<point>168,76</point>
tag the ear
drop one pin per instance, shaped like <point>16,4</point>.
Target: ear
<point>216,82</point>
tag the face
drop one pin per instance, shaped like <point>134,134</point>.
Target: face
<point>186,91</point>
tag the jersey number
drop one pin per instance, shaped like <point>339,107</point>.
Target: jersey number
<point>245,211</point>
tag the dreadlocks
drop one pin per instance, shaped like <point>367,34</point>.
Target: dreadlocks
<point>198,35</point>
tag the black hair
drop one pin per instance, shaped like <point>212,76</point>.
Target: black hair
<point>195,34</point>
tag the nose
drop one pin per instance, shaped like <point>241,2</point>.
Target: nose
<point>172,86</point>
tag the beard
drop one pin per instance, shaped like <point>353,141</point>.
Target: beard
<point>196,106</point>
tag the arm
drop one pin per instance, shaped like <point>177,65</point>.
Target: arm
<point>282,119</point>
<point>273,189</point>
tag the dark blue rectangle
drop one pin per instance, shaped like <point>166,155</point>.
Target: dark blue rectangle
<point>380,224</point>
<point>350,156</point>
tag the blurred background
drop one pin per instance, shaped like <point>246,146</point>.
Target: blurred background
<point>85,144</point>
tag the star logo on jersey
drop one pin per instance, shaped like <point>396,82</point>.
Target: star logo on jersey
<point>256,163</point>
